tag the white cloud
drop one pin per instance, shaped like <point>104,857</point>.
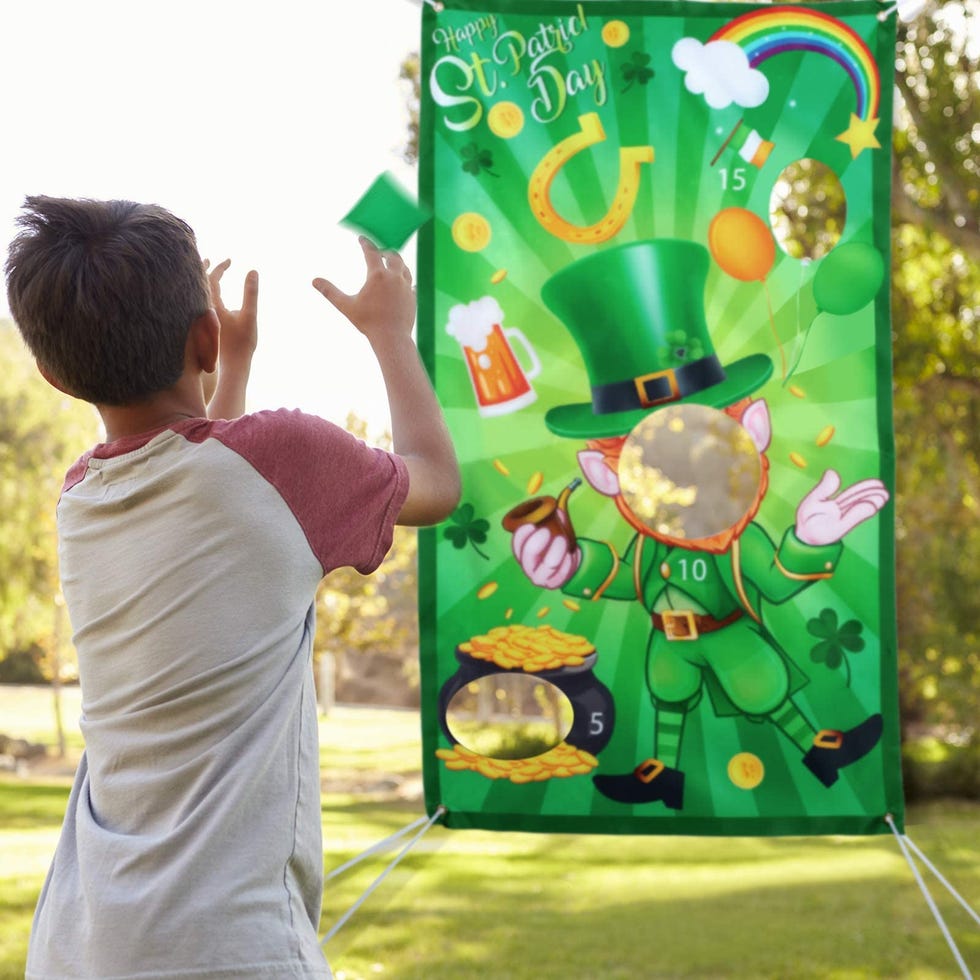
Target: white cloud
<point>719,70</point>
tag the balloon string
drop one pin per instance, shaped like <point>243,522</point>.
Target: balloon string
<point>799,356</point>
<point>799,342</point>
<point>772,324</point>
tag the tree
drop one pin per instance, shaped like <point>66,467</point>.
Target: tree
<point>935,309</point>
<point>369,624</point>
<point>41,433</point>
<point>411,73</point>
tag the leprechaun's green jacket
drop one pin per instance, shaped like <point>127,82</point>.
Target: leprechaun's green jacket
<point>745,669</point>
<point>662,576</point>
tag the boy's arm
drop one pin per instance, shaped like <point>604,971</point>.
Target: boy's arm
<point>384,311</point>
<point>224,391</point>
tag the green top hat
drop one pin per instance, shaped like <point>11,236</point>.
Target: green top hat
<point>636,313</point>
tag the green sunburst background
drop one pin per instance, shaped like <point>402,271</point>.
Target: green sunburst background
<point>843,380</point>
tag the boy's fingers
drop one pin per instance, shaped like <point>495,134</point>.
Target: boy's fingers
<point>397,264</point>
<point>219,270</point>
<point>338,298</point>
<point>371,255</point>
<point>214,278</point>
<point>250,294</point>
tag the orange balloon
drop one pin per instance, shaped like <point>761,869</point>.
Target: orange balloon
<point>742,244</point>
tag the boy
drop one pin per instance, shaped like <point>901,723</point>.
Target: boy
<point>190,553</point>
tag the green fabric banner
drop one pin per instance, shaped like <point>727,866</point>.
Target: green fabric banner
<point>654,302</point>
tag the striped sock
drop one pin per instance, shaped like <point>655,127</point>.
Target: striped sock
<point>791,722</point>
<point>668,731</point>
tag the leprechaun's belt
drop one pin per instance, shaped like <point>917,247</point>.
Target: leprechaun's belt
<point>682,624</point>
<point>658,387</point>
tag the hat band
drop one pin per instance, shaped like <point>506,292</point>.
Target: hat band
<point>658,387</point>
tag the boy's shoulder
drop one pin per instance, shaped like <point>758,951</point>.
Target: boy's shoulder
<point>272,433</point>
<point>344,494</point>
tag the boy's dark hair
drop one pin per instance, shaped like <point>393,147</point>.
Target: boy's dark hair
<point>104,293</point>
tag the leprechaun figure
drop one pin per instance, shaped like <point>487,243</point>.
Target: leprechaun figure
<point>704,577</point>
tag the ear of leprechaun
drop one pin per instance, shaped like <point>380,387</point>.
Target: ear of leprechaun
<point>598,474</point>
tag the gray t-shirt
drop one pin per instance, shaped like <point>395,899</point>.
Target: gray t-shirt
<point>190,559</point>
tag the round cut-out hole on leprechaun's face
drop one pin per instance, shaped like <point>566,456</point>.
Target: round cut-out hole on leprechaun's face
<point>689,472</point>
<point>807,209</point>
<point>509,716</point>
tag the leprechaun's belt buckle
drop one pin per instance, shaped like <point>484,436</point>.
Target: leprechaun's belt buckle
<point>680,624</point>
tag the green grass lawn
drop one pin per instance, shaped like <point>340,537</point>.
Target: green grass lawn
<point>473,904</point>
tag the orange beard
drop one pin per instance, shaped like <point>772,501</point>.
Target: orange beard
<point>716,544</point>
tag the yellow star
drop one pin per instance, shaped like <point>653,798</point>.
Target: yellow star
<point>860,135</point>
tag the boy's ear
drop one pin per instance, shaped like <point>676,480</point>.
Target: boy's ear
<point>202,341</point>
<point>51,379</point>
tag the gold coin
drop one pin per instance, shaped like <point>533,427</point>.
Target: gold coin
<point>498,277</point>
<point>826,434</point>
<point>615,33</point>
<point>534,484</point>
<point>797,460</point>
<point>571,604</point>
<point>797,392</point>
<point>746,770</point>
<point>485,591</point>
<point>471,231</point>
<point>501,468</point>
<point>505,120</point>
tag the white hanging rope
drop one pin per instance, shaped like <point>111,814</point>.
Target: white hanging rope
<point>937,915</point>
<point>959,898</point>
<point>440,810</point>
<point>375,848</point>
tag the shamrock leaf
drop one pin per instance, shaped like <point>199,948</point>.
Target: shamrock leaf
<point>476,160</point>
<point>834,639</point>
<point>467,528</point>
<point>637,70</point>
<point>682,348</point>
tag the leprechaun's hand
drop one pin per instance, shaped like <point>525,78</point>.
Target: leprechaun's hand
<point>825,516</point>
<point>546,558</point>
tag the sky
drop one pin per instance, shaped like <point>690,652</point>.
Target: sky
<point>261,126</point>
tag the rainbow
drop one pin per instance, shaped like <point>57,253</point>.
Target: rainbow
<point>763,34</point>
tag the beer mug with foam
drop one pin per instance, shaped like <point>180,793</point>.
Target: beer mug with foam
<point>500,383</point>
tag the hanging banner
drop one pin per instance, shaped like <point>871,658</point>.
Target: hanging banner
<point>654,303</point>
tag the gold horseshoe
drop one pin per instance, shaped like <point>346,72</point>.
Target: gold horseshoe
<point>539,186</point>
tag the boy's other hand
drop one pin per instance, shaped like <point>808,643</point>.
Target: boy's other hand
<point>239,328</point>
<point>386,301</point>
<point>224,391</point>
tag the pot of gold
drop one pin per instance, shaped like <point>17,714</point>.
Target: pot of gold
<point>545,658</point>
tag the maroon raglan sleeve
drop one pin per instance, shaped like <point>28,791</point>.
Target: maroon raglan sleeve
<point>344,494</point>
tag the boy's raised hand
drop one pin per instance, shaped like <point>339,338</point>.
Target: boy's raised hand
<point>386,301</point>
<point>238,339</point>
<point>239,328</point>
<point>384,311</point>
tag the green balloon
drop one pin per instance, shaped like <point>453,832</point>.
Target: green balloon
<point>848,278</point>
